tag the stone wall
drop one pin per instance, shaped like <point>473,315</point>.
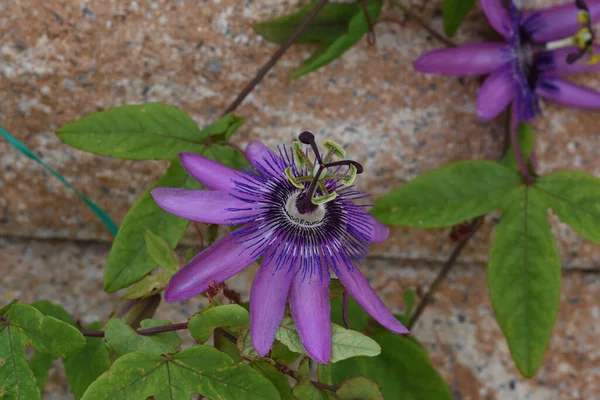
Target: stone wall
<point>63,59</point>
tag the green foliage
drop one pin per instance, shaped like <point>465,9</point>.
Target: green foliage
<point>123,339</point>
<point>524,278</point>
<point>359,388</point>
<point>150,285</point>
<point>527,141</point>
<point>454,12</point>
<point>574,197</point>
<point>17,381</point>
<point>45,333</point>
<point>199,369</point>
<point>336,29</point>
<point>40,364</point>
<point>85,365</point>
<point>402,370</point>
<point>203,324</point>
<point>160,251</point>
<point>279,380</point>
<point>346,343</point>
<point>152,131</point>
<point>448,195</point>
<point>410,300</point>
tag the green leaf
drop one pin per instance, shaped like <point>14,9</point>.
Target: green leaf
<point>345,343</point>
<point>129,261</point>
<point>574,197</point>
<point>123,339</point>
<point>202,325</point>
<point>160,251</point>
<point>279,380</point>
<point>7,307</point>
<point>402,371</point>
<point>448,195</point>
<point>359,388</point>
<point>152,131</point>
<point>283,355</point>
<point>17,381</point>
<point>140,309</point>
<point>336,289</point>
<point>305,390</point>
<point>199,369</point>
<point>244,345</point>
<point>223,344</point>
<point>20,146</point>
<point>329,24</point>
<point>54,310</point>
<point>410,299</point>
<point>149,285</point>
<point>85,365</point>
<point>527,141</point>
<point>454,12</point>
<point>524,278</point>
<point>40,364</point>
<point>45,333</point>
<point>358,319</point>
<point>358,26</point>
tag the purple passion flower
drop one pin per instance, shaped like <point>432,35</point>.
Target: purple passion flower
<point>540,47</point>
<point>298,215</point>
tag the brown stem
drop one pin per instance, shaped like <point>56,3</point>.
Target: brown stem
<point>280,367</point>
<point>475,224</point>
<point>143,332</point>
<point>421,21</point>
<point>275,57</point>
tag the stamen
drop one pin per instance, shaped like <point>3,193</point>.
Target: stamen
<point>307,202</point>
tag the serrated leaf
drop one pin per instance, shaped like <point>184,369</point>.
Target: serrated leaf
<point>358,26</point>
<point>85,365</point>
<point>574,197</point>
<point>345,343</point>
<point>128,261</point>
<point>402,370</point>
<point>160,251</point>
<point>45,333</point>
<point>359,388</point>
<point>448,195</point>
<point>454,12</point>
<point>152,131</point>
<point>123,339</point>
<point>199,369</point>
<point>524,278</point>
<point>280,381</point>
<point>149,286</point>
<point>527,141</point>
<point>202,325</point>
<point>329,24</point>
<point>16,379</point>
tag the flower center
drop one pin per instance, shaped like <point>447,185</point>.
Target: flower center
<point>309,219</point>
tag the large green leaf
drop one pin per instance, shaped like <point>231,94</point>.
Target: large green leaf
<point>574,197</point>
<point>85,365</point>
<point>345,343</point>
<point>123,339</point>
<point>199,369</point>
<point>203,324</point>
<point>152,131</point>
<point>448,195</point>
<point>358,26</point>
<point>129,261</point>
<point>359,388</point>
<point>524,278</point>
<point>17,381</point>
<point>454,12</point>
<point>280,381</point>
<point>329,24</point>
<point>46,333</point>
<point>402,370</point>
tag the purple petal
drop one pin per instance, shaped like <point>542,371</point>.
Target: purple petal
<point>380,232</point>
<point>208,206</point>
<point>498,16</point>
<point>210,173</point>
<point>558,22</point>
<point>469,59</point>
<point>567,94</point>
<point>555,62</point>
<point>309,301</point>
<point>268,298</point>
<point>495,94</point>
<point>260,156</point>
<point>358,287</point>
<point>218,262</point>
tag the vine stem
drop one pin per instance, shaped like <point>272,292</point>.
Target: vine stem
<point>143,332</point>
<point>421,21</point>
<point>275,57</point>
